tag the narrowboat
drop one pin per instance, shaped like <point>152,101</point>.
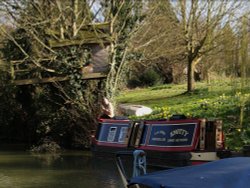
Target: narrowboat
<point>174,142</point>
<point>230,173</point>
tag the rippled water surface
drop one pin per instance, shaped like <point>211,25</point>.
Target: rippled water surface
<point>67,170</point>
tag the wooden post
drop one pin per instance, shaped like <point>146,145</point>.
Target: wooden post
<point>202,134</point>
<point>218,134</point>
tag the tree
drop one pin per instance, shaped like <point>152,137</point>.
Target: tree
<point>198,20</point>
<point>244,43</point>
<point>123,17</point>
<point>158,41</point>
<point>58,110</point>
<point>230,50</point>
<point>222,55</point>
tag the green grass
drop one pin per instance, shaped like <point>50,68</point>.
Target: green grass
<point>174,95</point>
<point>221,99</point>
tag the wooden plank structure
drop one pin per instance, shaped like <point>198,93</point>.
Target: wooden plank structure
<point>95,37</point>
<point>56,79</point>
<point>97,33</point>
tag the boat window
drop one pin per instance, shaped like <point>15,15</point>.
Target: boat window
<point>111,134</point>
<point>123,134</point>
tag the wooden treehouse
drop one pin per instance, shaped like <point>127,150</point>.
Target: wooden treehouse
<point>93,37</point>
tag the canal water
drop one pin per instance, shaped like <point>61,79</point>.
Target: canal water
<point>19,169</point>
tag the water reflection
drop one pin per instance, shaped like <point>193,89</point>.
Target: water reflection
<point>69,169</point>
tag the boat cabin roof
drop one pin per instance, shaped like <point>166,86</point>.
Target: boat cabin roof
<point>230,173</point>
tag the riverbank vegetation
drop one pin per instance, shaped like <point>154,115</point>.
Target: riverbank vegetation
<point>221,99</point>
<point>58,59</point>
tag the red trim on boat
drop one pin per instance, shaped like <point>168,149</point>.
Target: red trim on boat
<point>167,149</point>
<point>113,121</point>
<point>117,145</point>
<point>198,162</point>
<point>174,121</point>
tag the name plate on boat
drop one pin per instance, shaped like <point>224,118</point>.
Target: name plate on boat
<point>172,135</point>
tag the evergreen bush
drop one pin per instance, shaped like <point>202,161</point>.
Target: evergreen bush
<point>147,78</point>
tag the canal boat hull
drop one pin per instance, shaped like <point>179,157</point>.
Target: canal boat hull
<point>166,142</point>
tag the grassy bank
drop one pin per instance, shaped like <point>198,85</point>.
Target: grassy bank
<point>222,99</point>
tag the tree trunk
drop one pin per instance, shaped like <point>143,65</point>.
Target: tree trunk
<point>112,58</point>
<point>190,75</point>
<point>75,4</point>
<point>208,75</point>
<point>244,51</point>
<point>190,72</point>
<point>62,20</point>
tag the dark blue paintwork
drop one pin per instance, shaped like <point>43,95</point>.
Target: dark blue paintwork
<point>172,135</point>
<point>224,173</point>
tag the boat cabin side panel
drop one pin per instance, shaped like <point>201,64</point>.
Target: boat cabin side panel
<point>170,136</point>
<point>113,133</point>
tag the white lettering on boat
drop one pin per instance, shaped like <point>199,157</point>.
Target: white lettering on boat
<point>159,139</point>
<point>161,132</point>
<point>179,132</point>
<point>178,140</point>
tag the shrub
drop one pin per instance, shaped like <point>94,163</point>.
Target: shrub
<point>150,78</point>
<point>147,78</point>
